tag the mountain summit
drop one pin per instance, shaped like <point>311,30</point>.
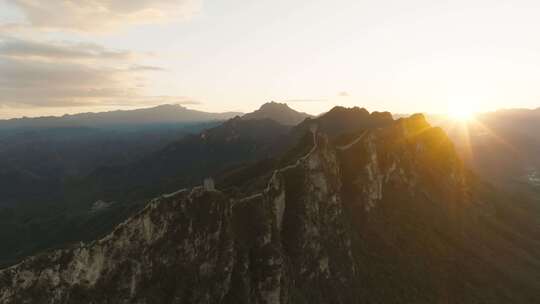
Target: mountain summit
<point>346,120</point>
<point>279,112</point>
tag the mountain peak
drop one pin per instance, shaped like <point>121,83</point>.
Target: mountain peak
<point>354,110</point>
<point>415,123</point>
<point>279,112</point>
<point>275,105</point>
<point>345,120</point>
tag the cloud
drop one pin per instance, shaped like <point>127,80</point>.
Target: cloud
<point>12,27</point>
<point>343,94</point>
<point>102,15</point>
<point>37,83</point>
<point>30,49</point>
<point>146,68</point>
<point>43,74</point>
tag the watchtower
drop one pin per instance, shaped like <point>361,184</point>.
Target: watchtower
<point>209,184</point>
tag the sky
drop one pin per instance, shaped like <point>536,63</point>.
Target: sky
<point>69,56</point>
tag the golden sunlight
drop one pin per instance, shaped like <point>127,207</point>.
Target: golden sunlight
<point>461,112</point>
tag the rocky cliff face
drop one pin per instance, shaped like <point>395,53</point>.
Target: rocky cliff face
<point>379,216</point>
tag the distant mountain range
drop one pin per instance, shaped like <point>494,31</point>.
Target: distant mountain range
<point>159,115</point>
<point>163,114</point>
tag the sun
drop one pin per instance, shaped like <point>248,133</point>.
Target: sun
<point>461,112</point>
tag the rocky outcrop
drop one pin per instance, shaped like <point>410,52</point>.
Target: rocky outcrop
<point>379,218</point>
